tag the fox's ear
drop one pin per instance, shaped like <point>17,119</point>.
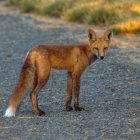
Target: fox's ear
<point>108,35</point>
<point>92,35</point>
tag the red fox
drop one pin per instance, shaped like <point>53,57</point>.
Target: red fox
<point>41,59</point>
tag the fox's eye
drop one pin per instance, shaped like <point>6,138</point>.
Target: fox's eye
<point>105,48</point>
<point>96,49</point>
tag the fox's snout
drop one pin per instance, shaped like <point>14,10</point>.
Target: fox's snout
<point>101,53</point>
<point>101,57</point>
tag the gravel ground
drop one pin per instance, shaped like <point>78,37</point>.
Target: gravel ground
<point>110,89</point>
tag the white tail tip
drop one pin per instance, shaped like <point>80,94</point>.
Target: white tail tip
<point>9,113</point>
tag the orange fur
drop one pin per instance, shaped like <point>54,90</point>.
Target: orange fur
<point>73,58</point>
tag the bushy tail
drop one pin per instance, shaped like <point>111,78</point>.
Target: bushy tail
<point>25,82</point>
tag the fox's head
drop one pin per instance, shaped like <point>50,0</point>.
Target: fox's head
<point>100,44</point>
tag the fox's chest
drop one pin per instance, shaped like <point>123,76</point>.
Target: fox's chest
<point>92,58</point>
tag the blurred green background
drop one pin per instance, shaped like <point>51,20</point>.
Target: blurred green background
<point>122,15</point>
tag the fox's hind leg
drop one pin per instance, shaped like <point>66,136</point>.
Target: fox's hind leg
<point>34,95</point>
<point>42,76</point>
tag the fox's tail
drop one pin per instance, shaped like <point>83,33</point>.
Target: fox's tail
<point>25,82</point>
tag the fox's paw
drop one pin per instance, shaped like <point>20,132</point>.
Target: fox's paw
<point>79,109</point>
<point>69,108</point>
<point>41,113</point>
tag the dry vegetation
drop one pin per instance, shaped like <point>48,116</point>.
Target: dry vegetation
<point>123,15</point>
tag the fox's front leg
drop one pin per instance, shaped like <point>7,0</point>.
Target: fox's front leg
<point>69,92</point>
<point>76,93</point>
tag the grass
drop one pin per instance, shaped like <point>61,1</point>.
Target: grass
<point>57,9</point>
<point>123,15</point>
<point>103,16</point>
<point>77,14</point>
<point>131,26</point>
<point>26,6</point>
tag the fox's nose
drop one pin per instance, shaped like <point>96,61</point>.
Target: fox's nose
<point>101,57</point>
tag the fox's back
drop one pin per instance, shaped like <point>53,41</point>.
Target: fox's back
<point>59,56</point>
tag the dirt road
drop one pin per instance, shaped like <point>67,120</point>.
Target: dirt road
<point>110,89</point>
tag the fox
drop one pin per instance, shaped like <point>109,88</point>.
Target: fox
<point>42,58</point>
